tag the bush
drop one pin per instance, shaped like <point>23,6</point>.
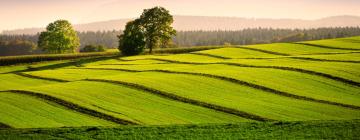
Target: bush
<point>93,48</point>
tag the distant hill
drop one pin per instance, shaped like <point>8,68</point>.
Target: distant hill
<point>186,23</point>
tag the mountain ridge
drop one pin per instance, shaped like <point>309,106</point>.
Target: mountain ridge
<point>206,23</point>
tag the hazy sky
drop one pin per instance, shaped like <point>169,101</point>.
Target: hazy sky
<point>38,13</point>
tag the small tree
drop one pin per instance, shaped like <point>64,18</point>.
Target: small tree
<point>93,48</point>
<point>59,37</point>
<point>156,23</point>
<point>132,41</point>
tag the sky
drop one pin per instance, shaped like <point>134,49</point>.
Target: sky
<point>17,14</point>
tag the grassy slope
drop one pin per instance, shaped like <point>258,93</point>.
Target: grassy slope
<point>133,105</point>
<point>12,81</point>
<point>22,111</point>
<point>285,130</point>
<point>288,81</point>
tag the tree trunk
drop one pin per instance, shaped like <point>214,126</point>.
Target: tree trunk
<point>150,47</point>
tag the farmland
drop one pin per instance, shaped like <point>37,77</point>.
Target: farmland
<point>278,88</point>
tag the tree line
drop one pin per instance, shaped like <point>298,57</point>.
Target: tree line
<point>110,39</point>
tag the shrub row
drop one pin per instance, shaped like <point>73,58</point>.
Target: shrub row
<point>12,60</point>
<point>183,49</point>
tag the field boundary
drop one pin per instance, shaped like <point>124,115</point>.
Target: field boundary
<point>184,100</point>
<point>74,107</point>
<point>243,83</point>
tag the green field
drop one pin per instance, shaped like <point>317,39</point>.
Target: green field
<point>253,91</point>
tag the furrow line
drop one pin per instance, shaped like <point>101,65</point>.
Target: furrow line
<point>264,51</point>
<point>75,107</point>
<point>38,77</point>
<point>210,55</point>
<point>185,100</point>
<point>2,125</point>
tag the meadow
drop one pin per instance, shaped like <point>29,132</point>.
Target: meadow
<point>280,90</point>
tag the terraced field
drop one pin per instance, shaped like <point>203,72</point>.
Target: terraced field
<point>305,81</point>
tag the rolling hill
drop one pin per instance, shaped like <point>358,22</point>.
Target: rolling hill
<point>305,86</point>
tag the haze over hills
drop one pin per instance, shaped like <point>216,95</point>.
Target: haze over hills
<point>186,23</point>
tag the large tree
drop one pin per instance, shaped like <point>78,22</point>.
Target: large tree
<point>156,23</point>
<point>59,37</point>
<point>132,41</point>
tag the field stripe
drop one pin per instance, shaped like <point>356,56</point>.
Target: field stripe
<point>2,125</point>
<point>243,83</point>
<point>38,77</point>
<point>185,100</point>
<point>323,60</point>
<point>74,107</point>
<point>347,81</point>
<point>348,40</point>
<point>264,51</point>
<point>210,55</point>
<point>331,53</point>
<point>323,46</point>
<point>343,80</point>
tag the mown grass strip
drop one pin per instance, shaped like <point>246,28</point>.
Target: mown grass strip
<point>185,100</point>
<point>2,125</point>
<point>74,107</point>
<point>38,77</point>
<point>324,60</point>
<point>347,81</point>
<point>322,46</point>
<point>332,53</point>
<point>291,57</point>
<point>264,51</point>
<point>244,83</point>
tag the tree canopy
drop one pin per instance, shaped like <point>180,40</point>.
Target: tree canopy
<point>59,37</point>
<point>157,26</point>
<point>132,41</point>
<point>152,29</point>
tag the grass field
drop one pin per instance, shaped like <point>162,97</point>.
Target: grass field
<point>254,91</point>
<point>276,130</point>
